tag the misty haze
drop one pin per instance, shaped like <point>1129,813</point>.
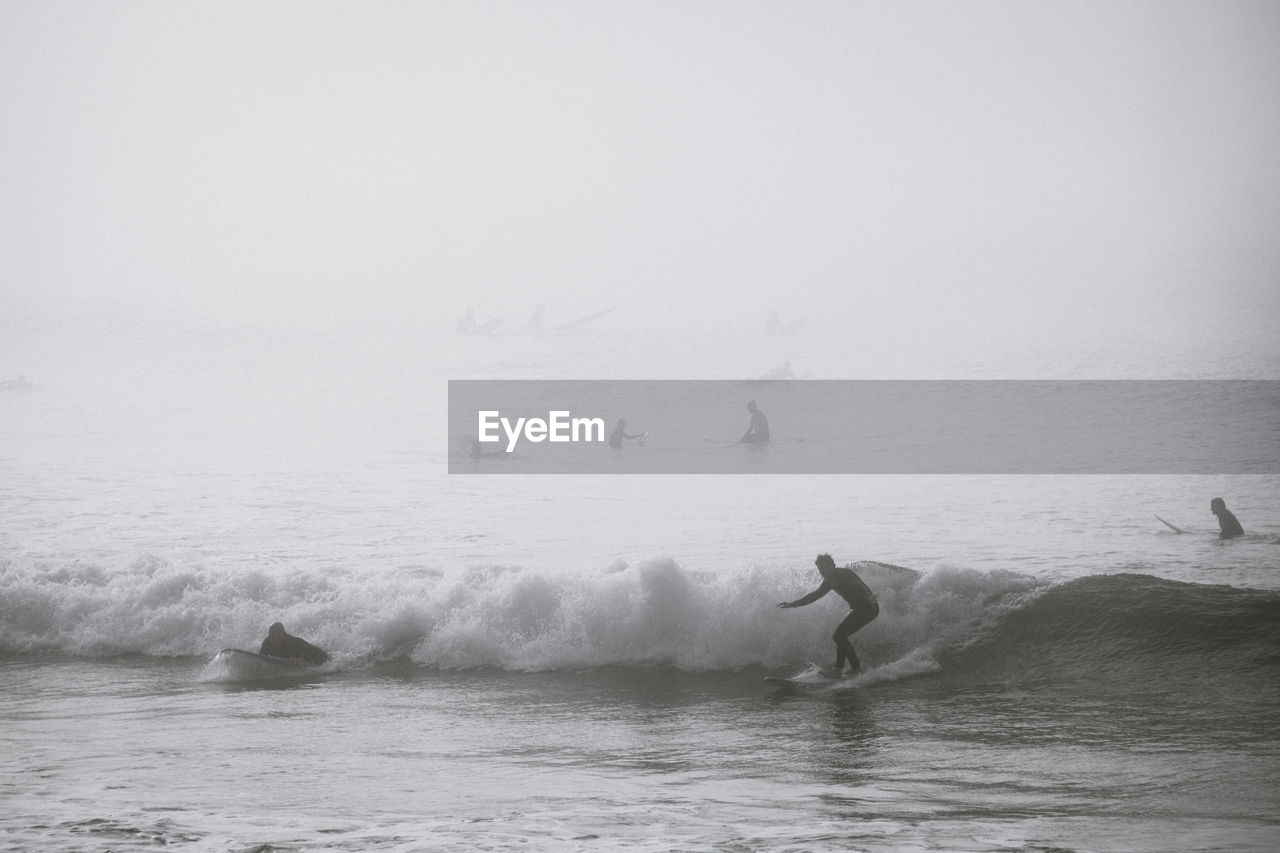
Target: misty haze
<point>245,248</point>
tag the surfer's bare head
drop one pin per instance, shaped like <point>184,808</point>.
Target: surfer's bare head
<point>276,630</point>
<point>751,407</point>
<point>1217,505</point>
<point>824,564</point>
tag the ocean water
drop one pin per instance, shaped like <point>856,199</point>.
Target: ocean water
<point>576,662</point>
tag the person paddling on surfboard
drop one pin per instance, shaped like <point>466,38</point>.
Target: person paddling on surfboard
<point>864,606</point>
<point>281,644</point>
<point>758,430</point>
<point>1228,525</point>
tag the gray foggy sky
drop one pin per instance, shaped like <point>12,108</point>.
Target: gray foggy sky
<point>405,158</point>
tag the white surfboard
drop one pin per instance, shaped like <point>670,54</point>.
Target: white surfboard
<point>1168,525</point>
<point>241,665</point>
<point>811,679</point>
<point>573,324</point>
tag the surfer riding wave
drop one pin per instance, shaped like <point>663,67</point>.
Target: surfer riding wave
<point>864,606</point>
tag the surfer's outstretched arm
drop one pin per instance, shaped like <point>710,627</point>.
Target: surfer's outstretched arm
<point>810,598</point>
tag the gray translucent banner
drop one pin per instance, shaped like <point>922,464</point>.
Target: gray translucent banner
<point>866,427</point>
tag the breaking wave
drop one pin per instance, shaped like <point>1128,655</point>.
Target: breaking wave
<point>655,613</point>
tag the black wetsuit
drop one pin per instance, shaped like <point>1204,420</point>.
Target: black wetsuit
<point>863,607</point>
<point>293,648</point>
<point>757,430</point>
<point>1229,525</point>
<point>616,437</point>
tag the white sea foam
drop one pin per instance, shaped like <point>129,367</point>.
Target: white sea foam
<point>657,612</point>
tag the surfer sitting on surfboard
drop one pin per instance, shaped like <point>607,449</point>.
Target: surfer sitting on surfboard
<point>863,607</point>
<point>1228,524</point>
<point>281,644</point>
<point>758,430</point>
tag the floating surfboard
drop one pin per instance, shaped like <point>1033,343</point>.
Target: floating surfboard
<point>1174,528</point>
<point>240,665</point>
<point>587,319</point>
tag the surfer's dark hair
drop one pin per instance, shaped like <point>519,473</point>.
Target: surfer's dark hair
<point>827,559</point>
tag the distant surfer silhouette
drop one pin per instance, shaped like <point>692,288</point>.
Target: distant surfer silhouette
<point>863,607</point>
<point>1229,526</point>
<point>774,325</point>
<point>758,430</point>
<point>467,325</point>
<point>281,644</point>
<point>620,435</point>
